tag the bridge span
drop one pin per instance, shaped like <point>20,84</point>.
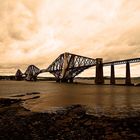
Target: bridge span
<point>69,65</point>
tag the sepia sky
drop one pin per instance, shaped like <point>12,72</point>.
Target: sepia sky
<point>37,31</point>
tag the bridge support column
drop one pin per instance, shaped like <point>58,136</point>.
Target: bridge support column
<point>128,77</point>
<point>99,79</point>
<point>64,70</point>
<point>58,80</point>
<point>64,80</point>
<point>31,77</point>
<point>71,80</point>
<point>112,78</point>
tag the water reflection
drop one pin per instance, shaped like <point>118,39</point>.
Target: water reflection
<point>99,99</point>
<point>128,99</point>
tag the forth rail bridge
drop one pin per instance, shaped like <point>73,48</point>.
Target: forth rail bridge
<point>69,65</point>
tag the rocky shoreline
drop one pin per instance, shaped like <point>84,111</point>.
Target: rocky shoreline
<point>73,122</point>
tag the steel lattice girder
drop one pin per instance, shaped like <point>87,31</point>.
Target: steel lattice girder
<point>69,65</point>
<point>119,62</point>
<point>18,73</point>
<point>32,70</point>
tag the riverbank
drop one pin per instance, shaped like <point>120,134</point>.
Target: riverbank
<point>73,122</point>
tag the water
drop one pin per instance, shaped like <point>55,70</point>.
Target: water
<point>99,99</point>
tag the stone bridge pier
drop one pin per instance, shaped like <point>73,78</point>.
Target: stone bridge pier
<point>99,79</point>
<point>112,78</point>
<point>128,77</point>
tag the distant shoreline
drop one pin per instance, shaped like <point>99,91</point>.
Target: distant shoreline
<point>12,77</point>
<point>76,80</point>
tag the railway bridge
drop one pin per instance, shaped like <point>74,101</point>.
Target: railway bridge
<point>69,65</point>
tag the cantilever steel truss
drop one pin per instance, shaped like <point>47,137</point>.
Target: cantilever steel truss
<point>68,65</point>
<point>18,75</point>
<point>32,72</point>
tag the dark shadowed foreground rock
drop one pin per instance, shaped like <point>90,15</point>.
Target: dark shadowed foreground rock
<point>72,123</point>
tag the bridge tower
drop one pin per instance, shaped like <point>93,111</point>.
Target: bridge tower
<point>67,63</point>
<point>64,68</point>
<point>18,75</point>
<point>99,79</point>
<point>31,73</point>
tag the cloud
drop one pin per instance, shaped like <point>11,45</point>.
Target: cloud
<point>36,32</point>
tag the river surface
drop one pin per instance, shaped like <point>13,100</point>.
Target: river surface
<point>99,99</point>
